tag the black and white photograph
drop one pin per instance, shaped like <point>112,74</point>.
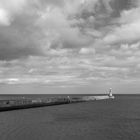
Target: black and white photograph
<point>69,69</point>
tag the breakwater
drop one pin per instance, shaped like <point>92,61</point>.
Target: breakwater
<point>23,103</point>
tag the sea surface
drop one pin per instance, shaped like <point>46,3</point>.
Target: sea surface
<point>117,119</point>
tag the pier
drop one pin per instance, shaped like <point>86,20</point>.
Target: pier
<point>24,103</point>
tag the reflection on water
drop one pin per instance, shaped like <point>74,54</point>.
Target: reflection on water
<point>117,119</point>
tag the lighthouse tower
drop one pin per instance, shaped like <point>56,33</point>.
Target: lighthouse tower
<point>110,92</point>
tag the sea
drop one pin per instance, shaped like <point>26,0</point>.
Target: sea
<point>117,119</point>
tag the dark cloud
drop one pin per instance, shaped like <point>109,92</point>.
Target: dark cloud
<point>20,39</point>
<point>54,2</point>
<point>93,15</point>
<point>119,5</point>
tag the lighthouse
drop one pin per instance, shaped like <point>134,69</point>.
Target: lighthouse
<point>110,95</point>
<point>110,92</point>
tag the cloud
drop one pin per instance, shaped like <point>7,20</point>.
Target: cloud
<point>87,51</point>
<point>125,29</point>
<point>69,42</point>
<point>4,17</point>
<point>55,24</point>
<point>127,33</point>
<point>49,25</point>
<point>59,29</point>
<point>8,9</point>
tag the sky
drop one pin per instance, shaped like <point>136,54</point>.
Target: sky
<point>70,46</point>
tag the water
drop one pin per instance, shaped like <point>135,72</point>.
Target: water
<point>117,119</point>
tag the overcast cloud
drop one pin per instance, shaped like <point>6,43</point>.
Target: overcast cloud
<point>70,43</point>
